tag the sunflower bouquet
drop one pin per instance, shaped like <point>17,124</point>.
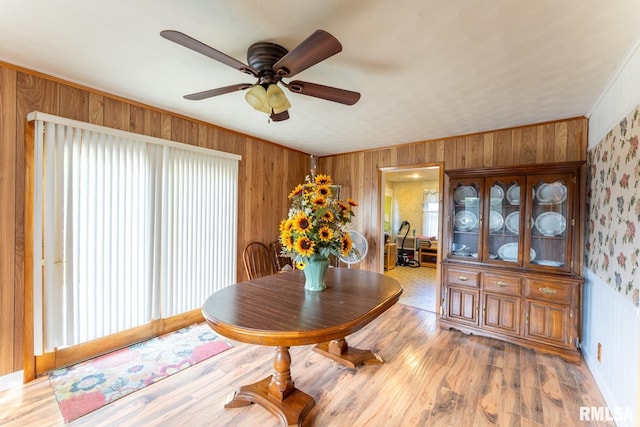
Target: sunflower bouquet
<point>317,225</point>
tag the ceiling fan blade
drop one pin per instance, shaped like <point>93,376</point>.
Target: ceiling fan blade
<point>215,92</point>
<point>329,93</point>
<point>317,47</point>
<point>193,44</point>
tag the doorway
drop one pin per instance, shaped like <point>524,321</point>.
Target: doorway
<point>411,224</point>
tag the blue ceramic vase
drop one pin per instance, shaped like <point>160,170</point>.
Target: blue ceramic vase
<point>314,273</point>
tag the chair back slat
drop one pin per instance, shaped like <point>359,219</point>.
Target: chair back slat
<point>279,260</point>
<point>258,261</point>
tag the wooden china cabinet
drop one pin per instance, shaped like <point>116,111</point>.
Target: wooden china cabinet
<point>513,255</point>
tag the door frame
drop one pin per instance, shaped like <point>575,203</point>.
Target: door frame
<point>382,179</point>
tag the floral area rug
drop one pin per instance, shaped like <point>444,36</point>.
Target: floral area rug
<point>89,385</point>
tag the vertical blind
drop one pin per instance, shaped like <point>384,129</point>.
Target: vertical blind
<point>130,229</point>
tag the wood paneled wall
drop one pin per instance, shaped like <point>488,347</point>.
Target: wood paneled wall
<point>267,173</point>
<point>359,173</point>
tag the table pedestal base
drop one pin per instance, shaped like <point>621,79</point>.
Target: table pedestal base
<point>340,351</point>
<point>291,410</point>
<point>276,393</point>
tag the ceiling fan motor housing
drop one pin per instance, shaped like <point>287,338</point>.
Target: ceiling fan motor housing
<point>262,56</point>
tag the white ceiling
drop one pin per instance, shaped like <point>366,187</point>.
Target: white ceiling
<point>425,68</point>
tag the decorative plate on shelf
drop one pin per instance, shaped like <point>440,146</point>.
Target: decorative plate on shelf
<point>463,192</point>
<point>457,247</point>
<point>549,263</point>
<point>471,201</point>
<point>551,224</point>
<point>495,221</point>
<point>497,195</point>
<point>551,194</point>
<point>465,220</point>
<point>513,194</point>
<point>509,252</point>
<point>513,222</point>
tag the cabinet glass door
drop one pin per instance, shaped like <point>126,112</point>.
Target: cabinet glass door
<point>552,221</point>
<point>466,199</point>
<point>504,215</point>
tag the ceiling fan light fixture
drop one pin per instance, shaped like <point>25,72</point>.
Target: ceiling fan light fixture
<point>257,98</point>
<point>277,99</point>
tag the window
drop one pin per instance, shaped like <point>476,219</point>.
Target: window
<point>130,229</point>
<point>430,207</point>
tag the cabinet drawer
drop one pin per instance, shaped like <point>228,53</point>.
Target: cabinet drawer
<point>546,290</point>
<point>502,283</point>
<point>462,277</point>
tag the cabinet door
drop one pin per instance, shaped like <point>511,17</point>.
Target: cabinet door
<point>462,304</point>
<point>549,236</point>
<point>465,218</point>
<point>549,322</point>
<point>504,217</point>
<point>501,313</point>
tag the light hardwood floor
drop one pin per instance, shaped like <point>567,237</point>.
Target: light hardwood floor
<point>430,378</point>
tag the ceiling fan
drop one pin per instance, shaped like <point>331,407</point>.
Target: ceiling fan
<point>270,63</point>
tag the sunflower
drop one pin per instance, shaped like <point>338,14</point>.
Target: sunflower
<point>323,179</point>
<point>352,202</point>
<point>324,190</point>
<point>325,233</point>
<point>301,265</point>
<point>296,191</point>
<point>328,216</point>
<point>304,246</point>
<point>319,202</point>
<point>345,207</point>
<point>285,225</point>
<point>301,223</point>
<point>287,239</point>
<point>346,244</point>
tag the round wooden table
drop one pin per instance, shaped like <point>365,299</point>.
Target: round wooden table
<point>277,311</point>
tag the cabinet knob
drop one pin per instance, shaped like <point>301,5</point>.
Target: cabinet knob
<point>502,284</point>
<point>547,290</point>
<point>463,278</point>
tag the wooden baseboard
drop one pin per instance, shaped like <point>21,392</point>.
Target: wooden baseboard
<point>77,353</point>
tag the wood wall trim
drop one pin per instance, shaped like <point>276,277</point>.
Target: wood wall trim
<point>7,214</point>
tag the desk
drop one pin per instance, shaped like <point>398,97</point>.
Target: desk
<point>276,311</point>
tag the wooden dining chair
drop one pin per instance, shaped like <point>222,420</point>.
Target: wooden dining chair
<point>279,261</point>
<point>258,261</point>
